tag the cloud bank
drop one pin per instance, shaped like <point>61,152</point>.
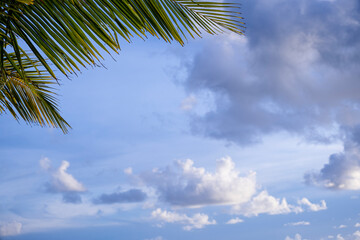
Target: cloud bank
<point>184,185</point>
<point>292,72</point>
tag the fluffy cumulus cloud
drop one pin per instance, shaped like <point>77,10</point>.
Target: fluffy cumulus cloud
<point>10,229</point>
<point>130,196</point>
<point>264,203</point>
<point>63,182</point>
<point>184,185</point>
<point>290,73</point>
<point>343,169</point>
<point>188,186</point>
<point>197,221</point>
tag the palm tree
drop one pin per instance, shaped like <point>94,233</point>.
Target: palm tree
<point>39,35</point>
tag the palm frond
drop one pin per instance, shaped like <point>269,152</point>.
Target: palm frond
<point>70,33</point>
<point>31,95</point>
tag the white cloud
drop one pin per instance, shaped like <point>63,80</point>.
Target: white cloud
<point>10,229</point>
<point>234,221</point>
<point>264,203</point>
<point>356,235</point>
<point>297,237</point>
<point>188,186</point>
<point>61,180</point>
<point>301,223</point>
<point>339,237</point>
<point>197,221</point>
<point>184,185</point>
<point>342,226</point>
<point>357,225</point>
<point>312,206</point>
<point>128,171</point>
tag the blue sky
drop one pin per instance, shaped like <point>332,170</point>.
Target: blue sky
<point>230,137</point>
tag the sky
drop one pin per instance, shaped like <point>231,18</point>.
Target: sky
<point>229,137</point>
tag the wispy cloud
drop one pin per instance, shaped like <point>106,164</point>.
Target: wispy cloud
<point>301,223</point>
<point>234,221</point>
<point>10,229</point>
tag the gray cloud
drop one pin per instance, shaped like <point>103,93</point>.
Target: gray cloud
<point>130,196</point>
<point>72,197</point>
<point>343,169</point>
<point>296,71</point>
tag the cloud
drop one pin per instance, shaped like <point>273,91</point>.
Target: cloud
<point>10,229</point>
<point>234,221</point>
<point>339,237</point>
<point>290,73</point>
<point>197,221</point>
<point>72,197</point>
<point>264,203</point>
<point>297,237</point>
<point>130,196</point>
<point>45,163</point>
<point>342,172</point>
<point>184,185</point>
<point>188,186</point>
<point>156,238</point>
<point>312,206</point>
<point>357,225</point>
<point>302,223</point>
<point>61,180</point>
<point>188,103</point>
<point>356,235</point>
<point>128,171</point>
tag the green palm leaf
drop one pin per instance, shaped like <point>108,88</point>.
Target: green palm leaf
<point>69,33</point>
<point>29,96</point>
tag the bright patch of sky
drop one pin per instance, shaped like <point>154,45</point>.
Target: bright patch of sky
<point>253,137</point>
